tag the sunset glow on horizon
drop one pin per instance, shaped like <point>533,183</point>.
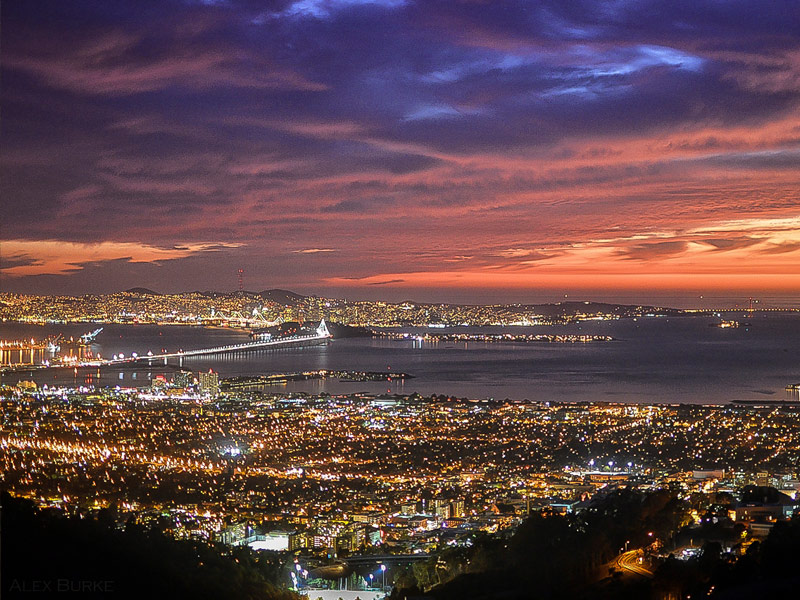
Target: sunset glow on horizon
<point>390,148</point>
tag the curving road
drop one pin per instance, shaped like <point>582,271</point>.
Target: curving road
<point>629,561</point>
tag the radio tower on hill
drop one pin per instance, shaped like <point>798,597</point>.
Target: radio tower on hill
<point>241,280</point>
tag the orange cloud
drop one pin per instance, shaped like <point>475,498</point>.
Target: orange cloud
<point>766,258</point>
<point>40,257</point>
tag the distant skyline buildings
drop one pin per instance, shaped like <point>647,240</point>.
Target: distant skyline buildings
<point>389,149</point>
<point>257,308</point>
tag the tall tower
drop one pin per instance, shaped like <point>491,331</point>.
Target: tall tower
<point>241,280</point>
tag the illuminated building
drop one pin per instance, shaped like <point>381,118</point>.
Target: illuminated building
<point>209,383</point>
<point>183,379</point>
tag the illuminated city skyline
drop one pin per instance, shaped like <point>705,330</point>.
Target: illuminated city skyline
<point>389,149</point>
<point>378,299</point>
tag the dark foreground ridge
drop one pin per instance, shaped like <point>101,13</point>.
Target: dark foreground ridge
<point>47,554</point>
<point>578,557</point>
<point>549,557</point>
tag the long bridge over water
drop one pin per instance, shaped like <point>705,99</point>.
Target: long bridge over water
<point>321,333</point>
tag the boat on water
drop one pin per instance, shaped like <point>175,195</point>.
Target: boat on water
<point>724,324</point>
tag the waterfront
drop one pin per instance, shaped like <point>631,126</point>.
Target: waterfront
<point>662,360</point>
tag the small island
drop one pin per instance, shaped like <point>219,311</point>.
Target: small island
<point>245,382</point>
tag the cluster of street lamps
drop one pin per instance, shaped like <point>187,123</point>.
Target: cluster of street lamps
<point>383,575</point>
<point>301,572</point>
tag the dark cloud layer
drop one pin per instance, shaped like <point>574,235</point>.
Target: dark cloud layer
<point>402,134</point>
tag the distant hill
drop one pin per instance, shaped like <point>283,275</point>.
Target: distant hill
<point>553,310</point>
<point>568,309</point>
<point>574,308</point>
<point>142,291</point>
<point>284,297</point>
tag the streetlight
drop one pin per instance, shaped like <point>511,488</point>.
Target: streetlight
<point>370,580</point>
<point>383,571</point>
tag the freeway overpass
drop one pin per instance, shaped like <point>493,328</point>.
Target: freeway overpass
<point>385,559</point>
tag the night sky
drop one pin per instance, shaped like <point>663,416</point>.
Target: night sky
<point>457,151</point>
